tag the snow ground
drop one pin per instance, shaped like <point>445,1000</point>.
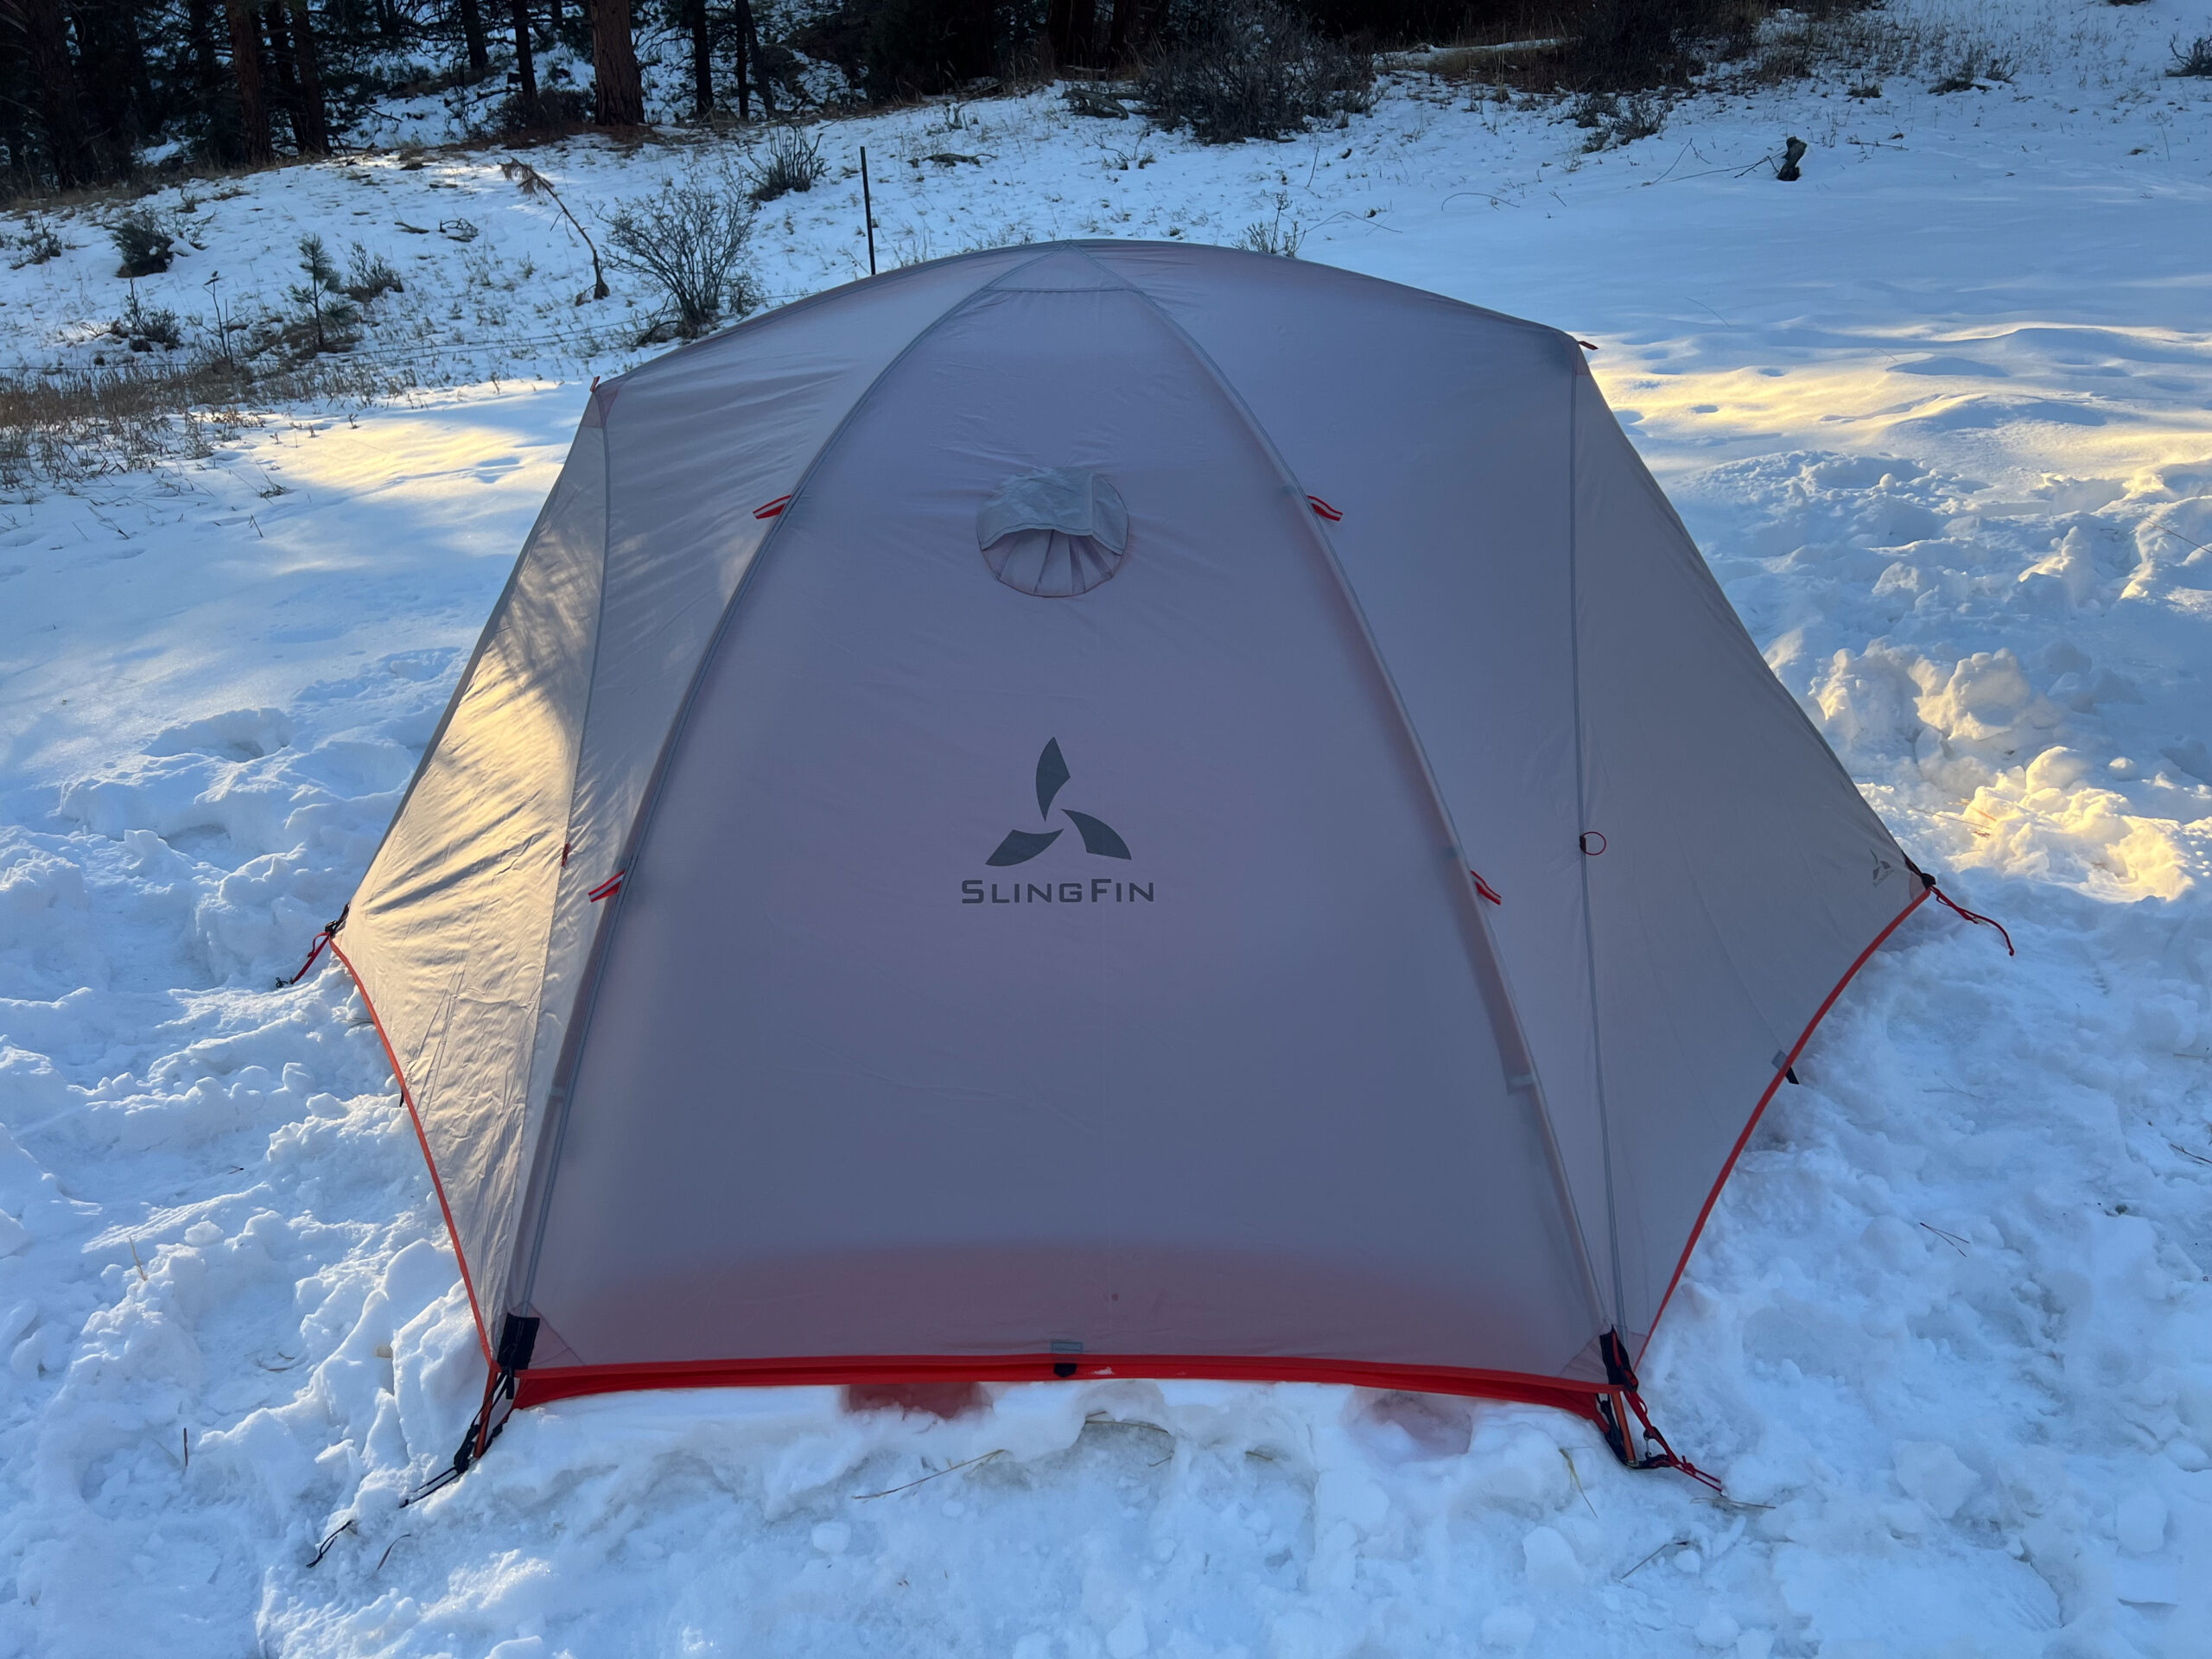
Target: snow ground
<point>1940,416</point>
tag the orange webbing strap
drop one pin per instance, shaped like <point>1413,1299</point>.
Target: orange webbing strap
<point>1622,1376</point>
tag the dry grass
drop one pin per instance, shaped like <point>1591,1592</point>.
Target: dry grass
<point>1550,46</point>
<point>60,429</point>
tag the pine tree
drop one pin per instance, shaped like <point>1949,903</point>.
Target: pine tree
<point>471,32</point>
<point>749,48</point>
<point>525,67</point>
<point>53,76</point>
<point>323,295</point>
<point>311,129</point>
<point>619,95</point>
<point>246,69</point>
<point>703,62</point>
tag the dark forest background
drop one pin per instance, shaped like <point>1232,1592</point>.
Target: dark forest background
<point>87,88</point>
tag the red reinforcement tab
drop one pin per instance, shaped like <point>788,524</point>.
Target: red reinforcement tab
<point>608,888</point>
<point>773,508</point>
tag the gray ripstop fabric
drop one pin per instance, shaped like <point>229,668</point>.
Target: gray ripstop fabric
<point>987,975</point>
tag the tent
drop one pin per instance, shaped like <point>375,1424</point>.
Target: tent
<point>1105,809</point>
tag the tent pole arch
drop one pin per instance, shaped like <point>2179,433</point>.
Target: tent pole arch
<point>538,1195</point>
<point>1484,950</point>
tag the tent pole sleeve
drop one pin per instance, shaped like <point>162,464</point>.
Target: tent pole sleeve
<point>1581,372</point>
<point>1519,1057</point>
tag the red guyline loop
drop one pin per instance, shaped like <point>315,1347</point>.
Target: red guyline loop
<point>608,888</point>
<point>1667,1457</point>
<point>315,951</point>
<point>1584,840</point>
<point>1949,903</point>
<point>773,508</point>
<point>1324,510</point>
<point>1485,888</point>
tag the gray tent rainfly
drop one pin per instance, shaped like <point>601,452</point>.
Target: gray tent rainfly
<point>763,1021</point>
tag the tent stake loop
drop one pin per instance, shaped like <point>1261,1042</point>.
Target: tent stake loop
<point>1618,1401</point>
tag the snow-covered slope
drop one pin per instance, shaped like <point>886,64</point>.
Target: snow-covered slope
<point>1941,416</point>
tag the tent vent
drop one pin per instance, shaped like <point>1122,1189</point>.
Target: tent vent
<point>1055,533</point>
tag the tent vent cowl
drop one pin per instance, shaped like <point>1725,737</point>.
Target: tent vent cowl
<point>1055,533</point>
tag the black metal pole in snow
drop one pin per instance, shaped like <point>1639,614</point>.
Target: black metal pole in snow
<point>867,211</point>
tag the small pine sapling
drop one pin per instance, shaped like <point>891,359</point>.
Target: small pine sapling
<point>147,249</point>
<point>323,295</point>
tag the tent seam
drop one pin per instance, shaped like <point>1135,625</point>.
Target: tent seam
<point>1582,815</point>
<point>1651,488</point>
<point>758,322</point>
<point>422,770</point>
<point>568,825</point>
<point>437,1182</point>
<point>468,677</point>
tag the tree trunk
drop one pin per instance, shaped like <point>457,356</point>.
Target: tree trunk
<point>1058,20</point>
<point>210,93</point>
<point>246,69</point>
<point>702,61</point>
<point>618,97</point>
<point>525,67</point>
<point>748,31</point>
<point>146,101</point>
<point>15,138</point>
<point>744,91</point>
<point>314,132</point>
<point>1136,24</point>
<point>472,31</point>
<point>283,78</point>
<point>102,84</point>
<point>53,77</point>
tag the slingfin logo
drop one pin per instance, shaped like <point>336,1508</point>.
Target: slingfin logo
<point>1099,838</point>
